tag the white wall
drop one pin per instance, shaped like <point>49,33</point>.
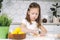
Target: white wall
<point>17,9</point>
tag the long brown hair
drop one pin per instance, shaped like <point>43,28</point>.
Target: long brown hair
<point>38,20</point>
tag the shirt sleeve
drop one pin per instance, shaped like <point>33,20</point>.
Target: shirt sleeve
<point>24,21</point>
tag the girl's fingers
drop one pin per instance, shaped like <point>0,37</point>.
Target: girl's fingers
<point>42,35</point>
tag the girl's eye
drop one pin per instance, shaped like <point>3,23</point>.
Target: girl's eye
<point>32,13</point>
<point>36,13</point>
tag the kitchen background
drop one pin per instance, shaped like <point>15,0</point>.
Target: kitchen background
<point>16,9</point>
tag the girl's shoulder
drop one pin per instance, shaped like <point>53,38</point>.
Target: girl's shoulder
<point>24,21</point>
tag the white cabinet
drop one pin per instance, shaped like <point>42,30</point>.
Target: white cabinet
<point>52,28</point>
<point>57,29</point>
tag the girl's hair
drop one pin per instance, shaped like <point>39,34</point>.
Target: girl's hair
<point>38,20</point>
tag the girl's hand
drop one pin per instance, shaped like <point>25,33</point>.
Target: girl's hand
<point>34,32</point>
<point>42,34</point>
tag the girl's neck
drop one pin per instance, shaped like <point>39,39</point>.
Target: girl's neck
<point>32,21</point>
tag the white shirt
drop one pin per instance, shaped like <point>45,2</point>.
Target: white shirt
<point>32,26</point>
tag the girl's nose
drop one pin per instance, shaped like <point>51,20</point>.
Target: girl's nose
<point>34,15</point>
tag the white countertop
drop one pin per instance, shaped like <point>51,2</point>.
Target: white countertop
<point>35,38</point>
<point>39,38</point>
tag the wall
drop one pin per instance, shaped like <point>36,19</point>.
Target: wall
<point>17,10</point>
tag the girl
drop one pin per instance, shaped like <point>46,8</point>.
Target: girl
<point>32,22</point>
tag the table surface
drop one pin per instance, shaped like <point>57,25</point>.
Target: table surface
<point>37,38</point>
<point>40,38</point>
<point>29,37</point>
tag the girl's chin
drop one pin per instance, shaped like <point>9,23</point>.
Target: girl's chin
<point>33,20</point>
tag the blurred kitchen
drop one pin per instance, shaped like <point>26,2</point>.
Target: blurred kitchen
<point>50,13</point>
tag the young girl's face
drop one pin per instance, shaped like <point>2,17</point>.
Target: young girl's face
<point>33,13</point>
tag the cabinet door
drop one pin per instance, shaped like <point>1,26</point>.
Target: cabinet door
<point>50,28</point>
<point>57,29</point>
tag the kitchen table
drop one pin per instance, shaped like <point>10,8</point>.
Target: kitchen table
<point>36,38</point>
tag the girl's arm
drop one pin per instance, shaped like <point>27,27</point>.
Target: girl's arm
<point>43,30</point>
